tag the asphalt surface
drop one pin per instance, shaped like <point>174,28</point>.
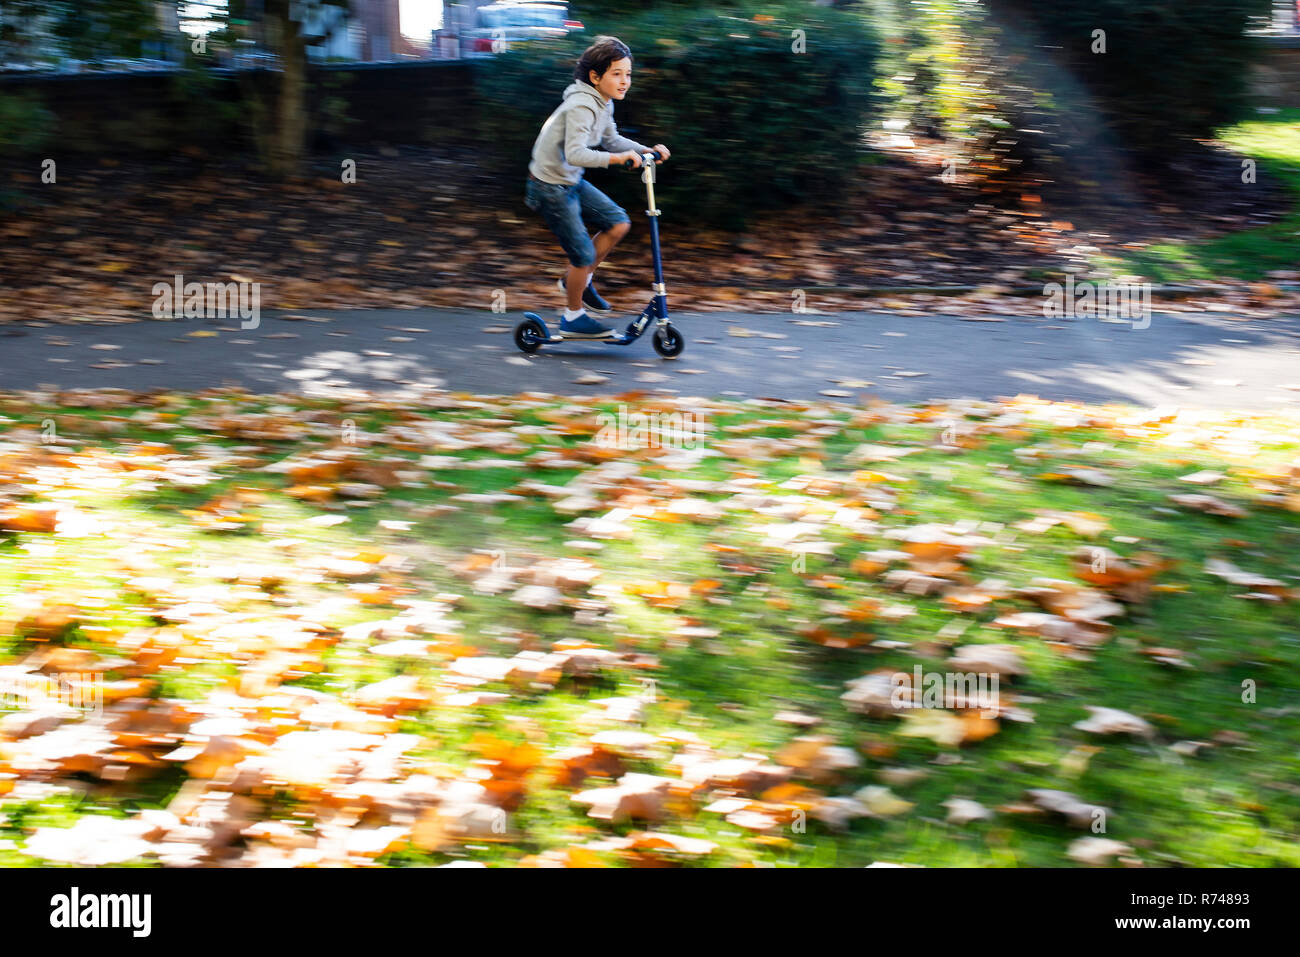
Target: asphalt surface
<point>1201,359</point>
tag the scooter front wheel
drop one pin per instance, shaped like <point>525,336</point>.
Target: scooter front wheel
<point>529,335</point>
<point>668,342</point>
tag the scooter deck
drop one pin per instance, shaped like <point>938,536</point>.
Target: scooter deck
<point>621,339</point>
<point>618,339</point>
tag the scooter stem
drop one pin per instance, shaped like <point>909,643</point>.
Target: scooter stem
<point>648,177</point>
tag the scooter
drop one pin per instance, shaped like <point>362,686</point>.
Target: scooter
<point>532,333</point>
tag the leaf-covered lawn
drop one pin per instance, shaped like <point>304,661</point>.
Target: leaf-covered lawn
<point>471,629</point>
<point>1272,145</point>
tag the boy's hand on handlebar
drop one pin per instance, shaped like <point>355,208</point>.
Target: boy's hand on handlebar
<point>633,157</point>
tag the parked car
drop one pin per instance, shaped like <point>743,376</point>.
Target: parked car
<point>501,24</point>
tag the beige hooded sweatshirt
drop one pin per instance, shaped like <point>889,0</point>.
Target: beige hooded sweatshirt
<point>583,120</point>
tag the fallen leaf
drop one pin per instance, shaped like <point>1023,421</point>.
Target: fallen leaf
<point>1114,721</point>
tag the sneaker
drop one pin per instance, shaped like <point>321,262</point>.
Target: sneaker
<point>584,327</point>
<point>590,298</point>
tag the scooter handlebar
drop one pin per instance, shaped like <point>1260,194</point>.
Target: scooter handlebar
<point>658,158</point>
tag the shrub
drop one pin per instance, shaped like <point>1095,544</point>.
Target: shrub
<point>25,127</point>
<point>935,64</point>
<point>1171,69</point>
<point>25,124</point>
<point>753,125</point>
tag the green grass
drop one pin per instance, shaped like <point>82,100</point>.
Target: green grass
<point>1233,805</point>
<point>1273,142</point>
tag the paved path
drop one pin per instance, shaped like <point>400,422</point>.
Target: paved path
<point>1202,359</point>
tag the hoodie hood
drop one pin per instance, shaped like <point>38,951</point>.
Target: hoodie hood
<point>585,91</point>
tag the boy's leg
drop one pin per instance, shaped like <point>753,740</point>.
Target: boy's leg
<point>561,208</point>
<point>577,277</point>
<point>612,223</point>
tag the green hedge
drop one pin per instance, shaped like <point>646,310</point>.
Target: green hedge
<point>1171,69</point>
<point>752,124</point>
<point>25,124</point>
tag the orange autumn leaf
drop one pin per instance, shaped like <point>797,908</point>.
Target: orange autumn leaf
<point>977,728</point>
<point>29,518</point>
<point>310,493</point>
<point>867,568</point>
<point>314,472</point>
<point>790,793</point>
<point>864,609</point>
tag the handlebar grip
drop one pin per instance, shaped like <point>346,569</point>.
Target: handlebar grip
<point>628,164</point>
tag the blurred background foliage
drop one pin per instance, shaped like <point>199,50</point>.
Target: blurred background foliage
<point>1013,88</point>
<point>25,124</point>
<point>87,30</point>
<point>754,125</point>
<point>1170,68</point>
<point>1084,121</point>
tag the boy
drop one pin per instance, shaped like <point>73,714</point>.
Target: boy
<point>557,191</point>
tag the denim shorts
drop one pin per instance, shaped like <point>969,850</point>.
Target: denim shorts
<point>570,211</point>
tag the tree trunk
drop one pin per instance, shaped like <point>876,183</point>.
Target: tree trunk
<point>288,139</point>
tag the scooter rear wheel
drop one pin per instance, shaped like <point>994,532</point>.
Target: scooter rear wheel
<point>668,342</point>
<point>529,335</point>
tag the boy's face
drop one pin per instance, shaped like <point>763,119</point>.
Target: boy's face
<point>614,84</point>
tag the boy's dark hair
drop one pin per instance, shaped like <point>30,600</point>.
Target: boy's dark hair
<point>599,56</point>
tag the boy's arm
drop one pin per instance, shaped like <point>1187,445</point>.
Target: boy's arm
<point>617,143</point>
<point>578,123</point>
